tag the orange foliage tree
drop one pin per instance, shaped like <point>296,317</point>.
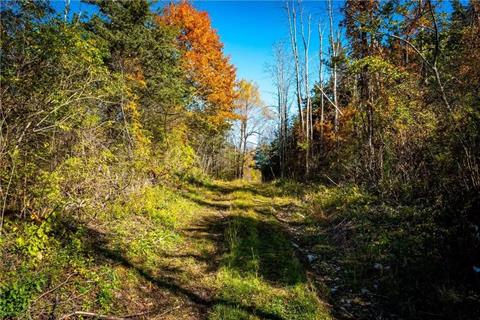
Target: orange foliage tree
<point>209,70</point>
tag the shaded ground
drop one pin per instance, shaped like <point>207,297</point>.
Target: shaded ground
<point>280,212</point>
<point>342,247</point>
<point>234,261</point>
<point>249,254</point>
<point>251,269</point>
<point>233,250</point>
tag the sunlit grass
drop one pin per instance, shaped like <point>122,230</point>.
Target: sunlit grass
<point>260,272</point>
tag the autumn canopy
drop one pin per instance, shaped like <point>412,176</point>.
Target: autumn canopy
<point>209,70</point>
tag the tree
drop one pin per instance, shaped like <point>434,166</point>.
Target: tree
<point>57,97</point>
<point>334,49</point>
<point>210,77</point>
<point>292,23</point>
<point>306,83</point>
<point>362,22</point>
<point>145,55</point>
<point>304,104</point>
<point>281,72</point>
<point>321,83</point>
<point>209,71</point>
<point>251,112</point>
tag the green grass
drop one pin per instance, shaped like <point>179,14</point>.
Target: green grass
<point>395,251</point>
<point>35,257</point>
<point>217,248</point>
<point>260,272</point>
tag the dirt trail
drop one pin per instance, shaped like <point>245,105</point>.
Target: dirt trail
<point>189,272</point>
<point>269,230</point>
<point>192,272</point>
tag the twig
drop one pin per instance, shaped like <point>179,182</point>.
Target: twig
<point>280,219</point>
<point>91,314</point>
<point>54,288</point>
<point>107,317</point>
<point>328,98</point>
<point>169,310</point>
<point>332,180</point>
<point>6,194</point>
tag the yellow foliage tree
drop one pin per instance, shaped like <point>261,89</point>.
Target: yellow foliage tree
<point>208,69</point>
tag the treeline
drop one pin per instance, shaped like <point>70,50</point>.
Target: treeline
<point>395,111</point>
<point>395,107</point>
<point>93,107</point>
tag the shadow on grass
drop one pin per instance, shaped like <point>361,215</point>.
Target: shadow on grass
<point>262,269</point>
<point>99,245</point>
<point>212,204</point>
<point>260,247</point>
<point>248,245</point>
<point>256,189</point>
<point>267,210</point>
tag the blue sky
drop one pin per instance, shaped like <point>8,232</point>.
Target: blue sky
<point>248,30</point>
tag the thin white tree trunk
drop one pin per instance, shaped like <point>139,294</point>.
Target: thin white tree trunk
<point>322,104</point>
<point>334,64</point>
<point>292,22</point>
<point>308,111</point>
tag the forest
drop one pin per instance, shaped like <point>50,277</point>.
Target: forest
<point>142,178</point>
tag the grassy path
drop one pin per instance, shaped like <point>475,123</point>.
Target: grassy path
<point>234,261</point>
<point>220,250</point>
<point>204,251</point>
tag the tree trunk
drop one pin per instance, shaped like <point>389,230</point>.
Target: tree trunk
<point>292,22</point>
<point>334,64</point>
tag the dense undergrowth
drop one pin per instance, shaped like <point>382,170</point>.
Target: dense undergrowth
<point>238,251</point>
<point>76,255</point>
<point>401,254</point>
<point>118,261</point>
